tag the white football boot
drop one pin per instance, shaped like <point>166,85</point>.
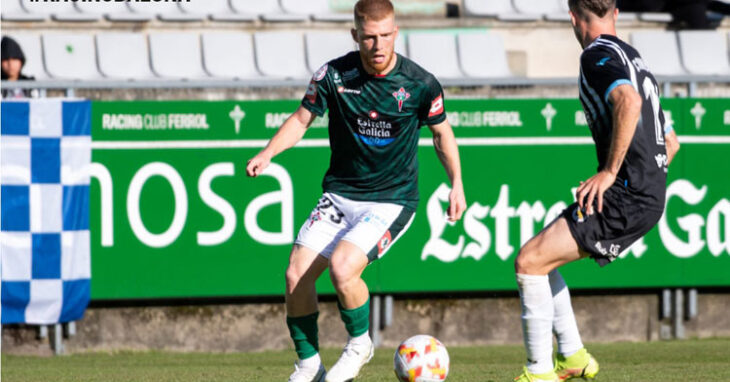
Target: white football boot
<point>353,357</point>
<point>304,374</point>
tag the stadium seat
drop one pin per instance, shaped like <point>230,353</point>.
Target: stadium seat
<point>324,46</point>
<point>218,10</point>
<point>268,10</point>
<point>482,55</point>
<point>113,11</point>
<point>319,10</point>
<point>541,7</point>
<point>31,45</point>
<point>704,52</point>
<point>659,50</point>
<point>70,56</point>
<point>627,17</point>
<point>165,11</point>
<point>59,11</point>
<point>441,62</point>
<point>488,8</point>
<point>229,55</point>
<point>562,12</point>
<point>176,55</point>
<point>656,17</point>
<point>13,11</point>
<point>123,56</point>
<point>280,54</point>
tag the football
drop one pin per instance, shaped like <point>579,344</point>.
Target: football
<point>421,358</point>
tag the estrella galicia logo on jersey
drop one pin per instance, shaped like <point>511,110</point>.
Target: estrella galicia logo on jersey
<point>373,132</point>
<point>320,73</point>
<point>401,96</point>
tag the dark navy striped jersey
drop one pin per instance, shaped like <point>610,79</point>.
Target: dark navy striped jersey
<point>605,64</point>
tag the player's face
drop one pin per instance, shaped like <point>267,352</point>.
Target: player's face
<point>376,40</point>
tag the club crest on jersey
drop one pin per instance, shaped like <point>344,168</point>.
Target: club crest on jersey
<point>401,96</point>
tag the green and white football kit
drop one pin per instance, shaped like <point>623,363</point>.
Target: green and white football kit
<point>371,186</point>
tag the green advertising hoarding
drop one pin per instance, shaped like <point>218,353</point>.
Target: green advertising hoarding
<point>174,215</point>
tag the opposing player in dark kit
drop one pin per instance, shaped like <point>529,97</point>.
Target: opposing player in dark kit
<point>377,101</point>
<point>614,208</point>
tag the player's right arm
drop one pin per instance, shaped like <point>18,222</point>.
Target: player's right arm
<point>290,132</point>
<point>314,104</point>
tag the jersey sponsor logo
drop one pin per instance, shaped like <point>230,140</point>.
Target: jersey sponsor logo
<point>320,73</point>
<point>437,106</point>
<point>341,89</point>
<point>401,96</point>
<point>603,61</point>
<point>384,242</point>
<point>311,93</point>
<point>374,133</point>
<point>578,215</point>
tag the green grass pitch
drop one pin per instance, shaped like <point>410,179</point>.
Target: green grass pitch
<point>692,360</point>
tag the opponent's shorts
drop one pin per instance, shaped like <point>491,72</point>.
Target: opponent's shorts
<point>623,221</point>
<point>372,226</point>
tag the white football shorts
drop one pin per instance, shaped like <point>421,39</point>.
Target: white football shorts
<point>371,226</point>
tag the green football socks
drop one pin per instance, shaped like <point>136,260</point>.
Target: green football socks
<point>357,321</point>
<point>303,331</point>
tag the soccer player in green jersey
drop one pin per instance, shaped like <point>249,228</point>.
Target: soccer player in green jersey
<point>377,102</point>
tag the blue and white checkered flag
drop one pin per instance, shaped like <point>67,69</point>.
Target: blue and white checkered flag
<point>45,155</point>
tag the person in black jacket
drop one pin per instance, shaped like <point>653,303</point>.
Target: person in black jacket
<point>13,61</point>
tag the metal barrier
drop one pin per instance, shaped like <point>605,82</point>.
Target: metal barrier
<point>691,81</point>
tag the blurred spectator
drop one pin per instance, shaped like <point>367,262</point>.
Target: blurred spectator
<point>13,61</point>
<point>687,14</point>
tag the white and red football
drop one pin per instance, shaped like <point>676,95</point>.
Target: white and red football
<point>421,358</point>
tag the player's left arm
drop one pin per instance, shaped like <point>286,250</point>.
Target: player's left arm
<point>626,113</point>
<point>448,152</point>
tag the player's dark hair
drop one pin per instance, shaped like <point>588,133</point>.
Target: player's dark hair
<point>597,7</point>
<point>375,10</point>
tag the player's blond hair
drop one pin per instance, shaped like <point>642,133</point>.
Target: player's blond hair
<point>598,7</point>
<point>374,10</point>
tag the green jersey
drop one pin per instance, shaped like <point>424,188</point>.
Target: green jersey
<point>374,124</point>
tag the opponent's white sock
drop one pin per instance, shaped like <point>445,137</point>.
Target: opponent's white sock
<point>311,362</point>
<point>537,321</point>
<point>564,324</point>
